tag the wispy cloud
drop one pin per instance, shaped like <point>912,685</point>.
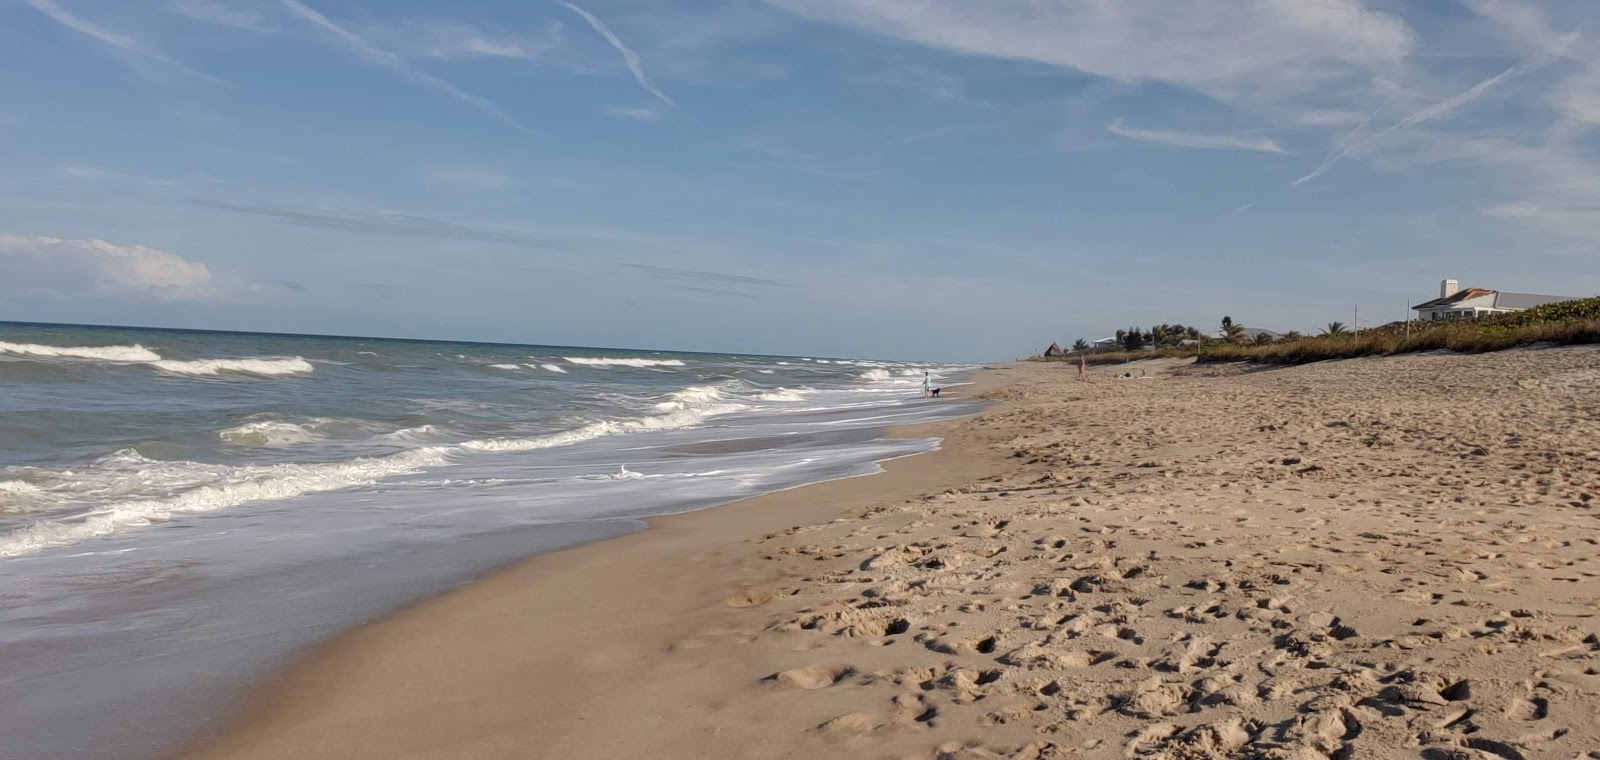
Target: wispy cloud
<point>1231,51</point>
<point>778,154</point>
<point>720,278</point>
<point>468,179</point>
<point>359,45</point>
<point>95,173</point>
<point>637,114</point>
<point>376,222</point>
<point>452,41</point>
<point>222,14</point>
<point>628,56</point>
<point>1195,140</point>
<point>119,41</point>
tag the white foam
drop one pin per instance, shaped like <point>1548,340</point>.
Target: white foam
<point>553,368</point>
<point>19,495</point>
<point>670,421</point>
<point>604,362</point>
<point>765,371</point>
<point>875,375</point>
<point>274,433</point>
<point>216,367</point>
<point>688,397</point>
<point>244,485</point>
<point>505,366</point>
<point>781,394</point>
<point>134,353</point>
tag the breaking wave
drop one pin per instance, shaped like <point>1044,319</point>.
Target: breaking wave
<point>553,368</point>
<point>274,433</point>
<point>594,362</point>
<point>218,367</point>
<point>243,485</point>
<point>134,353</point>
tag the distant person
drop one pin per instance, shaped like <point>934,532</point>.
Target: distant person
<point>927,383</point>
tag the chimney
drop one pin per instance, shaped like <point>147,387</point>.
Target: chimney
<point>1449,288</point>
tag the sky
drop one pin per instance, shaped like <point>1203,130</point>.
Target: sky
<point>912,179</point>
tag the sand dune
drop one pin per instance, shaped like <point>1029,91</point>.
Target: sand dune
<point>1388,558</point>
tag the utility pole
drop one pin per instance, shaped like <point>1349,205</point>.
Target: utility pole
<point>1355,325</point>
<point>1408,320</point>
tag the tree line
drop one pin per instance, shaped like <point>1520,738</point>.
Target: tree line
<point>1175,335</point>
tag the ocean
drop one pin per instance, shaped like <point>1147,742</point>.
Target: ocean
<point>181,511</point>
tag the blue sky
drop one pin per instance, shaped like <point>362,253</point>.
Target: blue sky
<point>940,179</point>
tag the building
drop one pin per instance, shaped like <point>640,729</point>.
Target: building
<point>1454,302</point>
<point>1053,352</point>
<point>1251,335</point>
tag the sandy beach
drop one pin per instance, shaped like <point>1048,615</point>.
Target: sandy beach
<point>1379,558</point>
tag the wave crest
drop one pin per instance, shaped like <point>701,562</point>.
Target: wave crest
<point>611,362</point>
<point>246,484</point>
<point>134,353</point>
<point>217,367</point>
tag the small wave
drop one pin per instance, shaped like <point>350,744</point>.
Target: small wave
<point>875,375</point>
<point>765,371</point>
<point>602,362</point>
<point>688,397</point>
<point>216,367</point>
<point>670,421</point>
<point>134,353</point>
<point>553,368</point>
<point>274,433</point>
<point>781,394</point>
<point>246,485</point>
<point>505,366</point>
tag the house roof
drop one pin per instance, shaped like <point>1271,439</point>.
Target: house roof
<point>1466,294</point>
<point>1501,300</point>
<point>1250,333</point>
<point>1526,300</point>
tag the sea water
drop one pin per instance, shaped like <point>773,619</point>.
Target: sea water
<point>182,511</point>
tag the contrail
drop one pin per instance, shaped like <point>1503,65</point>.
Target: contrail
<point>628,56</point>
<point>396,63</point>
<point>1433,111</point>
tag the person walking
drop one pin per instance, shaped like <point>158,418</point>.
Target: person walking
<point>927,383</point>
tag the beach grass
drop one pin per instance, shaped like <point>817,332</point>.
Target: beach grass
<point>1568,323</point>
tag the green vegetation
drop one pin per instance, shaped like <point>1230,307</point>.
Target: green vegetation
<point>1567,323</point>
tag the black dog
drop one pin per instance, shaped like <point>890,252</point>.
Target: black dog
<point>936,392</point>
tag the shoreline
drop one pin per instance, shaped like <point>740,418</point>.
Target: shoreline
<point>303,696</point>
<point>1386,558</point>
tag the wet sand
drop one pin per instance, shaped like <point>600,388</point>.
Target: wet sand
<point>1374,558</point>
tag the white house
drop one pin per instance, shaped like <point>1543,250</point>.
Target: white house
<point>1455,303</point>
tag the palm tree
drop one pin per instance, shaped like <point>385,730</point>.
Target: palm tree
<point>1262,338</point>
<point>1133,338</point>
<point>1291,336</point>
<point>1232,332</point>
<point>1336,328</point>
<point>1080,346</point>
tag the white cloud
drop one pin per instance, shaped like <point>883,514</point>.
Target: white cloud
<point>629,57</point>
<point>116,40</point>
<point>96,266</point>
<point>1194,140</point>
<point>359,45</point>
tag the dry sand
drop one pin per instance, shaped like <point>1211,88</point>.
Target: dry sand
<point>1383,558</point>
